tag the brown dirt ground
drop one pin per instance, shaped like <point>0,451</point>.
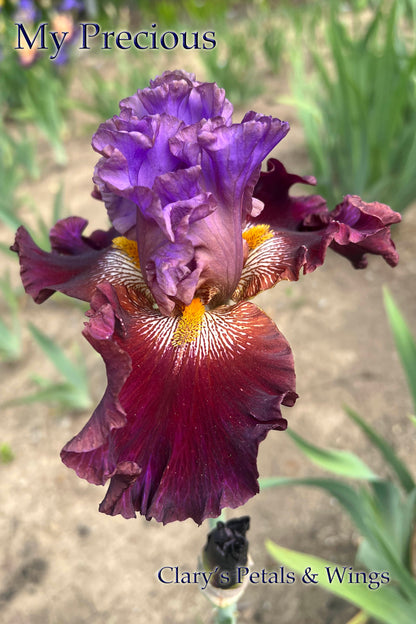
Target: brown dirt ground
<point>62,562</point>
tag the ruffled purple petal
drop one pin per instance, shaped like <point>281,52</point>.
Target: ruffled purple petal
<point>174,154</point>
<point>177,93</point>
<point>168,219</point>
<point>230,156</point>
<point>230,159</point>
<point>195,413</point>
<point>121,211</point>
<point>136,151</point>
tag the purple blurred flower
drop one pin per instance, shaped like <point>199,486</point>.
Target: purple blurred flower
<point>71,5</point>
<point>196,374</point>
<point>26,11</point>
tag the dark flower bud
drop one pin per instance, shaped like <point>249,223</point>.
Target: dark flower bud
<point>227,549</point>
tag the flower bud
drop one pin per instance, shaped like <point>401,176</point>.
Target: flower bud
<point>225,552</point>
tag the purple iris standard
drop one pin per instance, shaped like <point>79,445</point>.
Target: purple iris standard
<point>196,374</point>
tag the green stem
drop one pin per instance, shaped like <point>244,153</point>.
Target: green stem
<point>226,615</point>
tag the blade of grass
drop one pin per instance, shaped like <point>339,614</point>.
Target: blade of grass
<point>405,343</point>
<point>336,461</point>
<point>385,604</point>
<point>74,374</point>
<point>386,450</point>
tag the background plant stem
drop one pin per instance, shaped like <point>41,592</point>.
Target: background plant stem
<point>226,615</point>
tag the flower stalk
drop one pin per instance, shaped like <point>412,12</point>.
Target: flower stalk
<point>226,615</point>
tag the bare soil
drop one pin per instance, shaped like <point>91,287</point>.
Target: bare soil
<point>62,562</point>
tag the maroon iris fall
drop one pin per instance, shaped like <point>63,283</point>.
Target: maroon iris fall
<point>196,374</point>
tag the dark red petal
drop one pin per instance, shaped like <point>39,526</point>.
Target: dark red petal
<point>364,228</point>
<point>87,453</point>
<point>67,237</point>
<point>195,412</point>
<point>282,258</point>
<point>353,229</point>
<point>302,226</point>
<point>281,210</point>
<point>44,273</point>
<point>76,263</point>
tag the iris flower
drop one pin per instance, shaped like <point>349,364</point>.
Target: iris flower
<point>196,373</point>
